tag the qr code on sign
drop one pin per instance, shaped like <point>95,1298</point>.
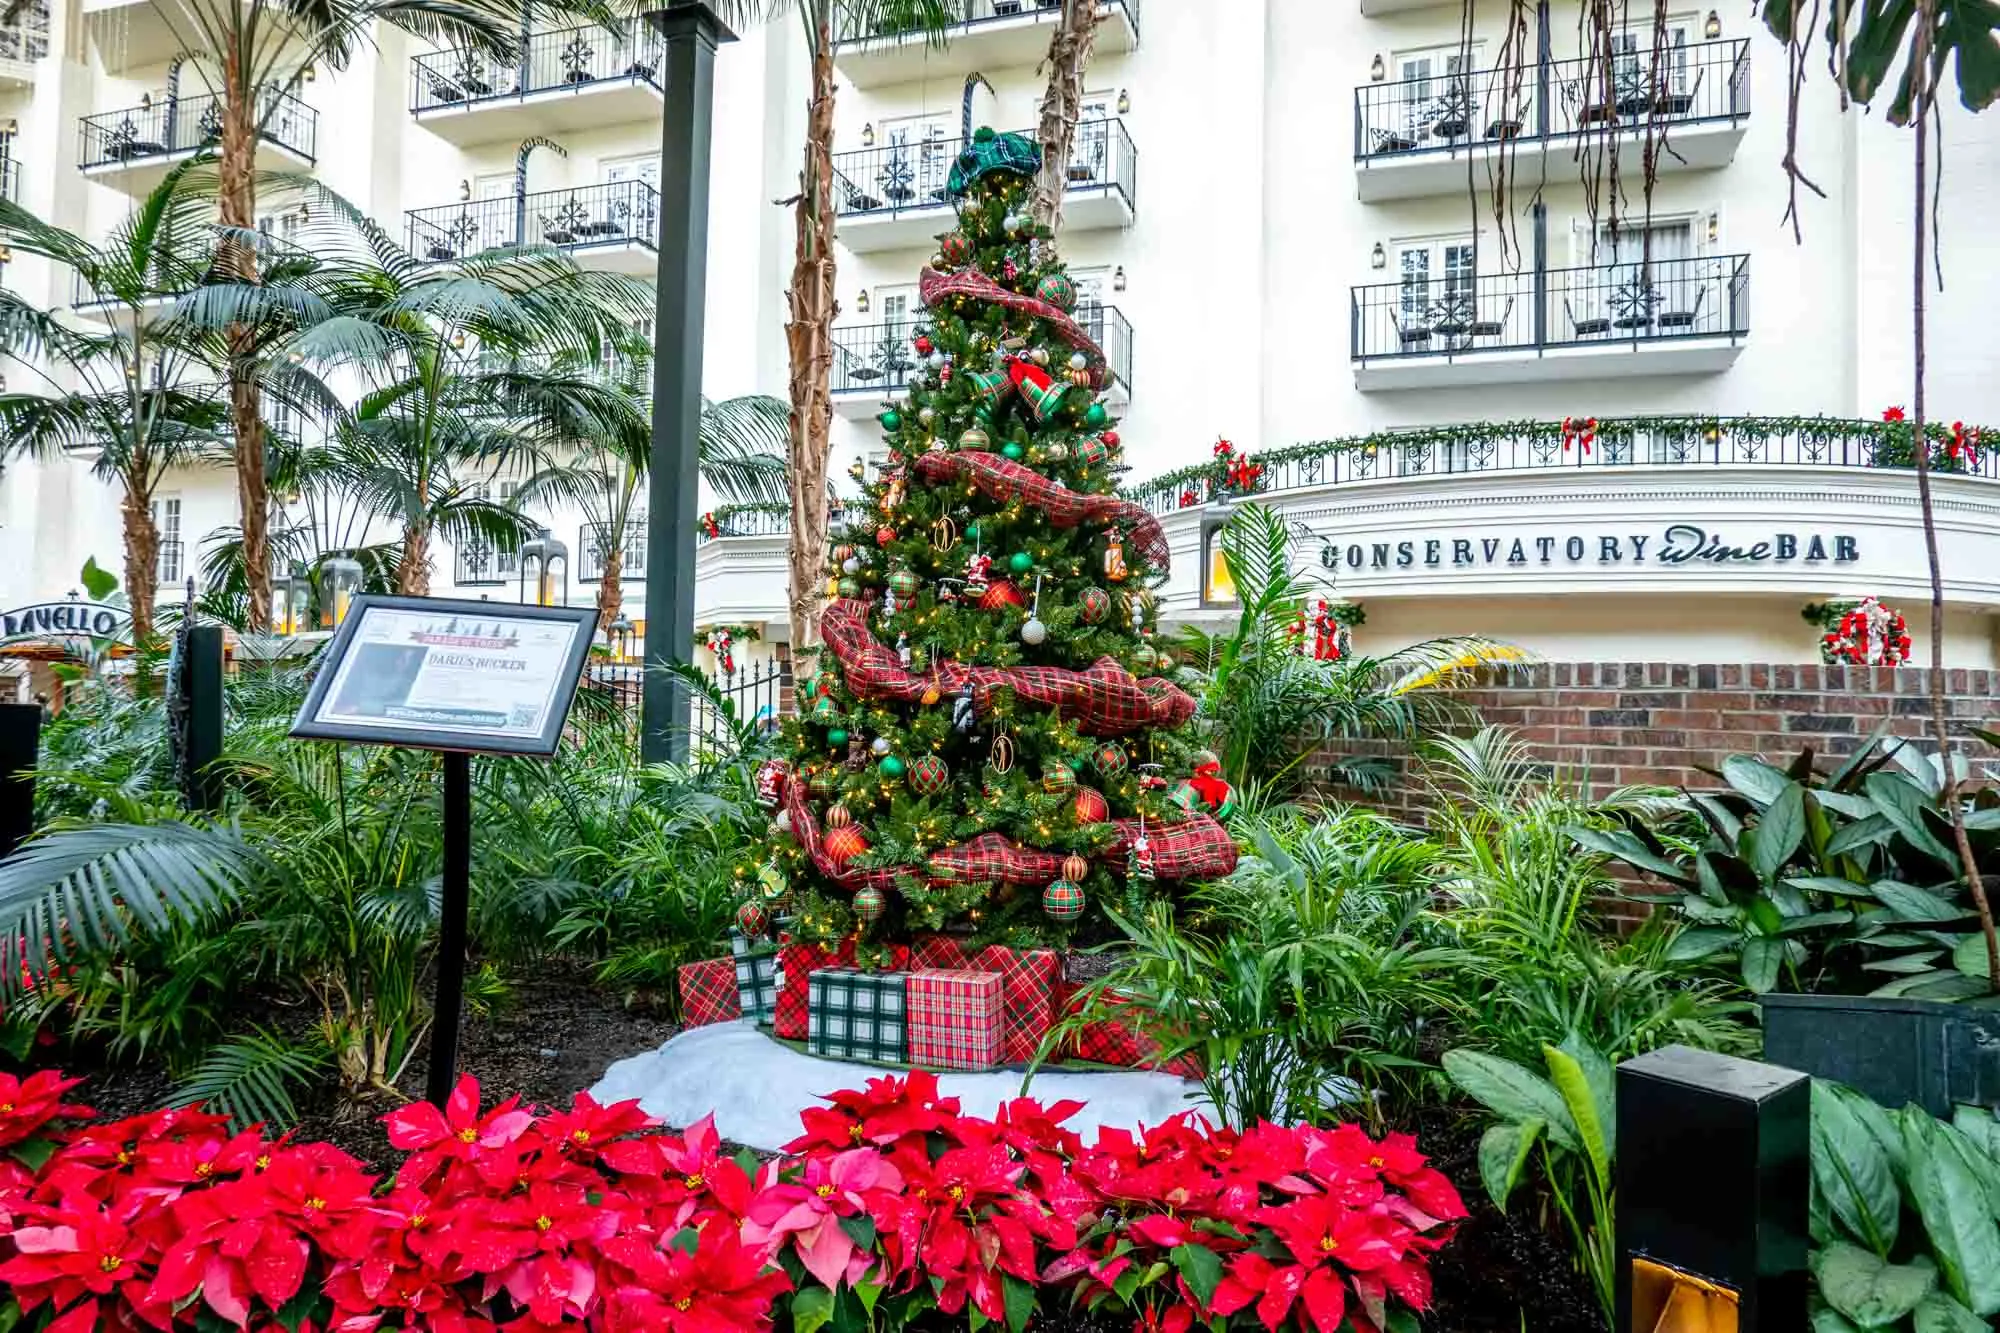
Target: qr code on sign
<point>524,715</point>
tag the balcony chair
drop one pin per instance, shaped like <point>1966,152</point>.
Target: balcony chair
<point>1594,327</point>
<point>554,231</point>
<point>1414,337</point>
<point>1491,328</point>
<point>1680,321</point>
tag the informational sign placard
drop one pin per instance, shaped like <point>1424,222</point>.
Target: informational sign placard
<point>431,674</point>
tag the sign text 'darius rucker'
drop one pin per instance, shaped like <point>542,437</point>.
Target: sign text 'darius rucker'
<point>1680,544</point>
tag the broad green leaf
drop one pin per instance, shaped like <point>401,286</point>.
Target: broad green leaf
<point>1939,1313</point>
<point>97,581</point>
<point>1603,1082</point>
<point>1503,1155</point>
<point>1867,832</point>
<point>1762,955</point>
<point>1914,905</point>
<point>1908,964</point>
<point>1971,1151</point>
<point>1979,1125</point>
<point>1902,802</point>
<point>1779,833</point>
<point>1020,1301</point>
<point>1952,1204</point>
<point>1948,987</point>
<point>1756,779</point>
<point>1829,884</point>
<point>1592,1124</point>
<point>1200,1267</point>
<point>812,1307</point>
<point>1846,803</point>
<point>1798,925</point>
<point>1831,1321</point>
<point>1513,1093</point>
<point>1970,956</point>
<point>1627,847</point>
<point>1852,1171</point>
<point>1868,1290</point>
<point>1697,942</point>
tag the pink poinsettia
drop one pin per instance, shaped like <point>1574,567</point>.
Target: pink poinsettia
<point>808,1213</point>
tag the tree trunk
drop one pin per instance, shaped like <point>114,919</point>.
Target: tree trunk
<point>413,566</point>
<point>236,170</point>
<point>611,588</point>
<point>142,561</point>
<point>1921,91</point>
<point>808,336</point>
<point>1062,103</point>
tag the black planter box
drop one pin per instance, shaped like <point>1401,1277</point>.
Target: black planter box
<point>1895,1051</point>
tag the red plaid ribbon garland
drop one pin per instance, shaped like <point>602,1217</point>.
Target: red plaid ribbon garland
<point>955,1019</point>
<point>934,288</point>
<point>1029,979</point>
<point>1004,480</point>
<point>1106,700</point>
<point>708,992</point>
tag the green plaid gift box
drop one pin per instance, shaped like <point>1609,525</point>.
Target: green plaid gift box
<point>854,1015</point>
<point>956,1019</point>
<point>757,978</point>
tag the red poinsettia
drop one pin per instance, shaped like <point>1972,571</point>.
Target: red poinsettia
<point>81,1258</point>
<point>715,1285</point>
<point>28,1104</point>
<point>456,1134</point>
<point>807,1213</point>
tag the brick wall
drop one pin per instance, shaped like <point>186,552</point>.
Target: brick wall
<point>1656,722</point>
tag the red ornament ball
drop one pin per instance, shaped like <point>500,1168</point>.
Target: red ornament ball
<point>844,844</point>
<point>1095,607</point>
<point>1000,593</point>
<point>884,535</point>
<point>924,344</point>
<point>753,920</point>
<point>956,247</point>
<point>1091,807</point>
<point>929,776</point>
<point>1110,438</point>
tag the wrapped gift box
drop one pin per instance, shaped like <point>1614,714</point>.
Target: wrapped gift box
<point>1117,1041</point>
<point>708,992</point>
<point>796,963</point>
<point>955,1019</point>
<point>757,977</point>
<point>1029,983</point>
<point>856,1015</point>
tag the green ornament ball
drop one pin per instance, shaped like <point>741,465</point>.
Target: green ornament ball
<point>972,532</point>
<point>1096,417</point>
<point>1063,900</point>
<point>849,587</point>
<point>1012,451</point>
<point>892,767</point>
<point>869,904</point>
<point>891,420</point>
<point>838,736</point>
<point>1020,562</point>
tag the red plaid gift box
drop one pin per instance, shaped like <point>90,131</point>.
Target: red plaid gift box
<point>955,1019</point>
<point>1117,1042</point>
<point>796,963</point>
<point>708,992</point>
<point>1028,982</point>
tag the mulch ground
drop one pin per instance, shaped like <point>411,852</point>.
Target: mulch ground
<point>559,1030</point>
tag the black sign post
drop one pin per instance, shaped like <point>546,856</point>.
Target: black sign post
<point>461,678</point>
<point>20,746</point>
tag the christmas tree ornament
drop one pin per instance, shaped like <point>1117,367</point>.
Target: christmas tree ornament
<point>1091,807</point>
<point>848,587</point>
<point>1042,394</point>
<point>929,776</point>
<point>923,344</point>
<point>1162,659</point>
<point>1111,759</point>
<point>752,919</point>
<point>858,470</point>
<point>1078,361</point>
<point>772,776</point>
<point>783,823</point>
<point>825,711</point>
<point>843,552</point>
<point>1115,568</point>
<point>999,594</point>
<point>935,360</point>
<point>1012,451</point>
<point>944,535</point>
<point>857,757</point>
<point>926,415</point>
<point>1058,291</point>
<point>880,746</point>
<point>891,420</point>
<point>1095,416</point>
<point>897,491</point>
<point>839,816</point>
<point>843,845</point>
<point>1094,606</point>
<point>1033,631</point>
<point>1063,900</point>
<point>1075,867</point>
<point>1144,657</point>
<point>869,904</point>
<point>903,650</point>
<point>1110,438</point>
<point>1138,607</point>
<point>974,438</point>
<point>933,691</point>
<point>964,711</point>
<point>851,565</point>
<point>978,575</point>
<point>1020,562</point>
<point>904,583</point>
<point>1139,867</point>
<point>1000,755</point>
<point>1058,778</point>
<point>884,535</point>
<point>1206,789</point>
<point>1056,452</point>
<point>892,766</point>
<point>988,388</point>
<point>821,783</point>
<point>1014,224</point>
<point>771,882</point>
<point>837,737</point>
<point>956,247</point>
<point>1092,451</point>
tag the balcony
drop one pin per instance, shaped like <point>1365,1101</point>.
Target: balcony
<point>10,177</point>
<point>133,149</point>
<point>992,34</point>
<point>477,564</point>
<point>611,227</point>
<point>24,43</point>
<point>893,197</point>
<point>174,277</point>
<point>873,363</point>
<point>1412,139</point>
<point>1660,317</point>
<point>592,547</point>
<point>567,79</point>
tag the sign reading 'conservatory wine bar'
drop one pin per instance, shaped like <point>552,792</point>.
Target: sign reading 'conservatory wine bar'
<point>1679,545</point>
<point>59,620</point>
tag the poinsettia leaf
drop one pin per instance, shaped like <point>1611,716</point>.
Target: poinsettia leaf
<point>812,1307</point>
<point>33,1153</point>
<point>1200,1267</point>
<point>1020,1299</point>
<point>860,1229</point>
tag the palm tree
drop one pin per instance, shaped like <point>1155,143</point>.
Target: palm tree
<point>741,449</point>
<point>467,365</point>
<point>808,333</point>
<point>263,50</point>
<point>137,392</point>
<point>1062,103</point>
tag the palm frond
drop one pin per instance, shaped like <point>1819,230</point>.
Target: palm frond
<point>252,1078</point>
<point>1439,663</point>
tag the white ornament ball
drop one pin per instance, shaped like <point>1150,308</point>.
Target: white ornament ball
<point>1015,222</point>
<point>936,360</point>
<point>1040,356</point>
<point>1034,632</point>
<point>880,745</point>
<point>851,565</point>
<point>784,821</point>
<point>1078,361</point>
<point>927,415</point>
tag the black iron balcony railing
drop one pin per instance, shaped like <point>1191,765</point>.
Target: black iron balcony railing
<point>878,358</point>
<point>169,563</point>
<point>1659,300</point>
<point>480,564</point>
<point>903,176</point>
<point>593,547</point>
<point>10,179</point>
<point>763,519</point>
<point>1681,85</point>
<point>893,19</point>
<point>170,125</point>
<point>561,60</point>
<point>620,213</point>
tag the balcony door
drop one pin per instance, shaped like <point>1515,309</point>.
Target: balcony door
<point>1434,95</point>
<point>1633,66</point>
<point>1090,154</point>
<point>631,197</point>
<point>916,161</point>
<point>892,357</point>
<point>167,529</point>
<point>1438,279</point>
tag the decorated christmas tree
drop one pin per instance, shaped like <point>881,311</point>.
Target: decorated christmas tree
<point>988,740</point>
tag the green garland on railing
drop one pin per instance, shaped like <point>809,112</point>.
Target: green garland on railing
<point>1886,435</point>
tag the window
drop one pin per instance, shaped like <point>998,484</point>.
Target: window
<point>631,198</point>
<point>1438,277</point>
<point>1090,154</point>
<point>1633,65</point>
<point>167,525</point>
<point>916,161</point>
<point>1436,91</point>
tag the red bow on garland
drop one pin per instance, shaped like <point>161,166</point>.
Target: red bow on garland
<point>1190,497</point>
<point>1964,439</point>
<point>1224,449</point>
<point>1581,431</point>
<point>709,525</point>
<point>1243,473</point>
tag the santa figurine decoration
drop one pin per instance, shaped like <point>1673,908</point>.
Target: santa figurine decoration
<point>978,571</point>
<point>1326,634</point>
<point>724,647</point>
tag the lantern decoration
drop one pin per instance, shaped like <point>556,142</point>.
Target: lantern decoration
<point>1058,778</point>
<point>771,777</point>
<point>753,919</point>
<point>1111,759</point>
<point>869,904</point>
<point>929,776</point>
<point>844,844</point>
<point>1095,606</point>
<point>999,594</point>
<point>1091,807</point>
<point>1075,867</point>
<point>1063,900</point>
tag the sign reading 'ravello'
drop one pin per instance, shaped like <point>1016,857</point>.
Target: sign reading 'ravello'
<point>56,620</point>
<point>1680,544</point>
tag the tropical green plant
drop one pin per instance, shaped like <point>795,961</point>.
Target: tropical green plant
<point>1844,882</point>
<point>1269,708</point>
<point>1903,1216</point>
<point>1567,1124</point>
<point>134,391</point>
